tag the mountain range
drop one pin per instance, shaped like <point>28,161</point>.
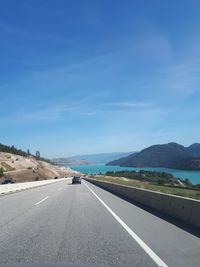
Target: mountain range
<point>171,155</point>
<point>101,158</point>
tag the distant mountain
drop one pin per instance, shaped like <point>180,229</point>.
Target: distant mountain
<point>194,149</point>
<point>101,158</point>
<point>170,155</point>
<point>70,162</point>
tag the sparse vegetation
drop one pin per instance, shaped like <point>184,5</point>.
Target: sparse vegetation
<point>13,150</point>
<point>28,168</point>
<point>154,177</point>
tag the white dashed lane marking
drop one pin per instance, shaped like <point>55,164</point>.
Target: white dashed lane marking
<point>41,200</point>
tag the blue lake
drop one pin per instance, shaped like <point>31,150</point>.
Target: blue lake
<point>193,176</point>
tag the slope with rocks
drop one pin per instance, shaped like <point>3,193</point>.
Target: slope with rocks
<point>24,169</point>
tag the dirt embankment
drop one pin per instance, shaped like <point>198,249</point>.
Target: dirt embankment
<point>24,169</point>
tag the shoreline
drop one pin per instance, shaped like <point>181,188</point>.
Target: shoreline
<point>193,176</point>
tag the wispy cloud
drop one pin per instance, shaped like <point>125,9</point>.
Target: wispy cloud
<point>48,112</point>
<point>125,104</point>
<point>180,80</point>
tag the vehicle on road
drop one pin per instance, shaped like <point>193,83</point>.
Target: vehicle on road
<point>76,180</point>
<point>8,181</point>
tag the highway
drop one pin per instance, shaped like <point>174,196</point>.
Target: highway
<point>65,223</point>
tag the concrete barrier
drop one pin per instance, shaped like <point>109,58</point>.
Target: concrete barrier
<point>183,209</point>
<point>9,188</point>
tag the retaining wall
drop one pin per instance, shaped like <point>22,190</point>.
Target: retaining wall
<point>184,209</point>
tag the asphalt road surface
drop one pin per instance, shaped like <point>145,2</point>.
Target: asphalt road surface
<point>64,223</point>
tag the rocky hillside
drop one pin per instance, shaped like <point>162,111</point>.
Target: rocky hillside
<point>170,155</point>
<point>28,168</point>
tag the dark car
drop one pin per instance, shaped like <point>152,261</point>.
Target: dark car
<point>76,180</point>
<point>8,181</point>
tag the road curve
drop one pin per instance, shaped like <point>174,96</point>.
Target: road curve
<point>64,223</point>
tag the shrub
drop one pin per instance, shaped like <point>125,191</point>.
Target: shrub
<point>161,182</point>
<point>1,172</point>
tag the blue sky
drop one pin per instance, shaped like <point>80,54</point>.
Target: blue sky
<point>80,77</point>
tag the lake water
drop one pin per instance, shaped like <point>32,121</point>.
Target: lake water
<point>193,176</point>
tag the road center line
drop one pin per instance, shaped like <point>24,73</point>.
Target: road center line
<point>41,200</point>
<point>140,242</point>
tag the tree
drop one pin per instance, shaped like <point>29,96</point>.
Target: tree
<point>37,154</point>
<point>12,149</point>
<point>1,172</point>
<point>161,182</point>
<point>188,182</point>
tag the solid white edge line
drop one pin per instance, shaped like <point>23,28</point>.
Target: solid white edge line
<point>41,200</point>
<point>141,243</point>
